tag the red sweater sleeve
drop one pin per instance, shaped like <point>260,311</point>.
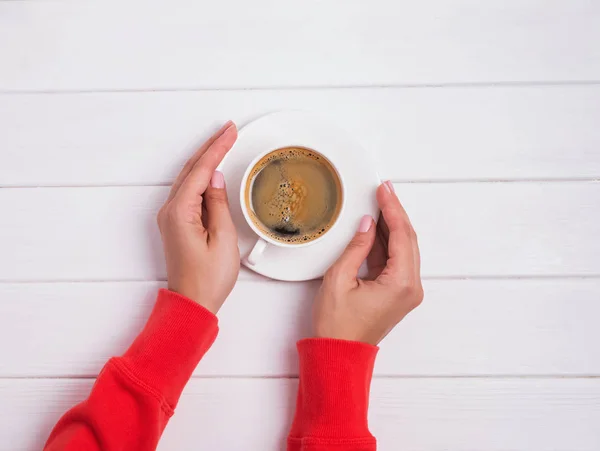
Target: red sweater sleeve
<point>135,394</point>
<point>333,396</point>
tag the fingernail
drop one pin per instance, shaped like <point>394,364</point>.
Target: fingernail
<point>390,186</point>
<point>217,180</point>
<point>228,125</point>
<point>365,224</point>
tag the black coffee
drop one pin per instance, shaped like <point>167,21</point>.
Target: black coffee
<point>294,194</point>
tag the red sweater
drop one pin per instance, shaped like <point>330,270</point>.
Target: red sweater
<point>135,395</point>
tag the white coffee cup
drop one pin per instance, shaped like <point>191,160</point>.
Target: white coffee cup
<point>264,240</point>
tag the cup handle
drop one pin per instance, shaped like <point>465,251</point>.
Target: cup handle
<point>256,252</point>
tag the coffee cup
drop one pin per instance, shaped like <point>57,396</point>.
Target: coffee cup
<point>291,197</point>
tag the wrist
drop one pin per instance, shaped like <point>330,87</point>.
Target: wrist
<point>367,338</point>
<point>201,297</point>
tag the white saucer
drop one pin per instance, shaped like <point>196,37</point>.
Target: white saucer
<point>294,128</point>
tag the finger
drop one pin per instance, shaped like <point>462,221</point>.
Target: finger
<point>218,218</point>
<point>377,258</point>
<point>401,261</point>
<point>416,258</point>
<point>383,232</point>
<point>383,229</point>
<point>199,177</point>
<point>192,161</point>
<point>357,250</point>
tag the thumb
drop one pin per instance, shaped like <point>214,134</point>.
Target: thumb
<point>218,219</point>
<point>358,249</point>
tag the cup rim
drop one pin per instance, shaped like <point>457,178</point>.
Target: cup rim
<point>263,235</point>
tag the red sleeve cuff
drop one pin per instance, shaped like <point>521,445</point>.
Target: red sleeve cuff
<point>333,393</point>
<point>166,352</point>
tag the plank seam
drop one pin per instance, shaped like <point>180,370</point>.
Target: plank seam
<point>375,376</point>
<point>262,280</point>
<point>490,84</point>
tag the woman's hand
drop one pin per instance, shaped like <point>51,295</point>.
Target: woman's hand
<point>349,308</point>
<point>199,237</point>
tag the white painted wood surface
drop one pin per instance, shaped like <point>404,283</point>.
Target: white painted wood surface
<point>465,229</point>
<point>405,414</point>
<point>485,114</point>
<point>70,46</point>
<point>465,327</point>
<point>468,133</point>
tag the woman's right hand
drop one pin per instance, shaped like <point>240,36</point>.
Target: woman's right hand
<point>199,236</point>
<point>354,309</point>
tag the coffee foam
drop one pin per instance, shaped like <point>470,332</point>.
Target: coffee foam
<point>300,195</point>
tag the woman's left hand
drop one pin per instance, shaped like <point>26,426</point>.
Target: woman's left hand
<point>354,309</point>
<point>199,237</point>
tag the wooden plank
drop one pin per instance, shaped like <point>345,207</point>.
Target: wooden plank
<point>152,45</point>
<point>464,327</point>
<point>501,133</point>
<point>465,229</point>
<point>253,414</point>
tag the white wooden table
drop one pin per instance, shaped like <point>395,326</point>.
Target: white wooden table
<point>486,115</point>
